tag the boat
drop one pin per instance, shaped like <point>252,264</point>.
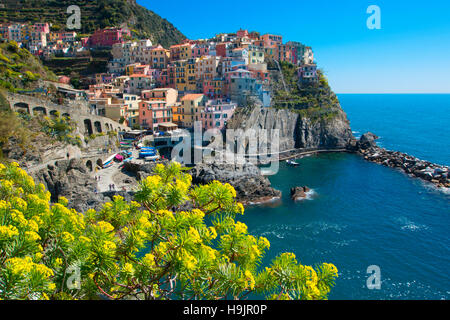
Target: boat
<point>152,158</point>
<point>292,163</point>
<point>109,162</point>
<point>128,159</point>
<point>147,153</point>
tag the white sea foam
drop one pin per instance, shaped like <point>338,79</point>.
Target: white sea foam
<point>310,195</point>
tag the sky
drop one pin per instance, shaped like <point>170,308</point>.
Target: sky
<point>409,54</point>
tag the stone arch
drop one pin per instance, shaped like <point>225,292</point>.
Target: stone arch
<point>99,163</point>
<point>66,115</point>
<point>54,113</point>
<point>22,107</point>
<point>88,126</point>
<point>40,110</point>
<point>98,126</point>
<point>89,165</point>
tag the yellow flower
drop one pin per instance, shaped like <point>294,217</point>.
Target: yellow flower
<point>109,246</point>
<point>240,227</point>
<point>105,226</point>
<point>51,286</point>
<point>8,232</point>
<point>231,189</point>
<point>63,200</point>
<point>249,280</point>
<point>149,260</point>
<point>264,243</point>
<point>128,268</point>
<point>194,235</point>
<point>212,232</point>
<point>68,237</point>
<point>189,262</point>
<point>58,262</point>
<point>85,239</point>
<point>32,236</point>
<point>240,208</point>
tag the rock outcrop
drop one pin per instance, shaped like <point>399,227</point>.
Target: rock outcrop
<point>251,187</point>
<point>70,178</point>
<point>297,131</point>
<point>439,175</point>
<point>299,193</point>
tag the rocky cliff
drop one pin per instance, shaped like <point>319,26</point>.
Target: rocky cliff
<point>307,115</point>
<point>296,130</point>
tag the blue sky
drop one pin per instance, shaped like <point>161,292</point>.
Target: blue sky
<point>410,54</point>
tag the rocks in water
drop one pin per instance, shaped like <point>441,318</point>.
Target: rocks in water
<point>299,193</point>
<point>367,141</point>
<point>251,187</point>
<point>425,170</point>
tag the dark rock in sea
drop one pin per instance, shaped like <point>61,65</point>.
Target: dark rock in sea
<point>251,187</point>
<point>299,193</point>
<point>367,141</point>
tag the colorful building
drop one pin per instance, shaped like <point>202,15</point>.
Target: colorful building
<point>217,113</point>
<point>191,106</point>
<point>108,37</point>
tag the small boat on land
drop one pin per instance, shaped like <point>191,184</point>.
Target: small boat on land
<point>292,163</point>
<point>109,162</point>
<point>152,158</point>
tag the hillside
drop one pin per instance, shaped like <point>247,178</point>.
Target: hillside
<point>95,14</point>
<point>19,69</point>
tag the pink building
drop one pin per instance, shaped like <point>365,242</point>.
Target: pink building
<point>41,27</point>
<point>213,88</point>
<point>108,37</point>
<point>242,33</point>
<point>217,113</point>
<point>272,39</point>
<point>200,50</point>
<point>154,112</point>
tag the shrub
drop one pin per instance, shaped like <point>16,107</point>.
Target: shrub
<point>147,249</point>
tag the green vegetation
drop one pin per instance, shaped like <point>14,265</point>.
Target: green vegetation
<point>95,14</point>
<point>19,69</point>
<point>13,129</point>
<point>147,249</point>
<point>60,128</point>
<point>312,100</point>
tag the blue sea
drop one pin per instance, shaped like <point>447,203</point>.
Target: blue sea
<point>362,214</point>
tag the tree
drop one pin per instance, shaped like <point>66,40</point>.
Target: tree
<point>175,241</point>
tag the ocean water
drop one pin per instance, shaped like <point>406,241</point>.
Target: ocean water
<point>362,214</point>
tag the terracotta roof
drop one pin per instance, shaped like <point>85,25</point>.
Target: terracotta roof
<point>191,96</point>
<point>136,75</point>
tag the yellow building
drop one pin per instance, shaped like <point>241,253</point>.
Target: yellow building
<point>191,107</point>
<point>129,69</point>
<point>191,81</point>
<point>255,55</point>
<point>180,75</point>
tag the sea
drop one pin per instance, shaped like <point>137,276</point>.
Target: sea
<point>369,220</point>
